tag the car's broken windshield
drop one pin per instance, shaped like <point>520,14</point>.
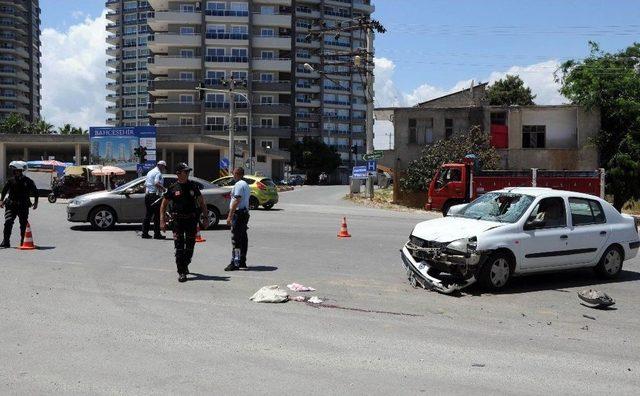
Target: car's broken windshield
<point>501,207</point>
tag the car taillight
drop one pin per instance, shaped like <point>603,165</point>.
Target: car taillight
<point>261,186</point>
<point>227,196</point>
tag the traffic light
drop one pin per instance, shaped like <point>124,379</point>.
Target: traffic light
<point>201,91</point>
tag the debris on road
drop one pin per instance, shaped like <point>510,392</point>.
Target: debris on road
<point>585,328</point>
<point>596,298</point>
<point>296,287</point>
<point>270,294</point>
<point>589,317</point>
<point>298,298</point>
<point>478,365</point>
<point>315,300</point>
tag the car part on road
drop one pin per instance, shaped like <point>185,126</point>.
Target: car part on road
<point>596,298</point>
<point>102,218</point>
<point>296,287</point>
<point>270,294</point>
<point>315,300</point>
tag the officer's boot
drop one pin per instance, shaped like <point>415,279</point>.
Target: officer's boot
<point>5,242</point>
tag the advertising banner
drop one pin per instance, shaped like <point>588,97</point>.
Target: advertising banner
<point>117,146</point>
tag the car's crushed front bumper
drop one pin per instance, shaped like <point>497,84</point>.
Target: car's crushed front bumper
<point>418,274</point>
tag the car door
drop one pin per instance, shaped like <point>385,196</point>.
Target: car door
<point>546,246</point>
<point>132,208</point>
<point>589,231</point>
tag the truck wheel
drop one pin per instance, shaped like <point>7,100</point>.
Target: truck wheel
<point>52,198</point>
<point>610,264</point>
<point>496,272</point>
<point>446,207</point>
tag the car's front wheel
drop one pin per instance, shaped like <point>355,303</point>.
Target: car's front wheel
<point>253,203</point>
<point>610,264</point>
<point>496,272</point>
<point>102,218</point>
<point>268,206</point>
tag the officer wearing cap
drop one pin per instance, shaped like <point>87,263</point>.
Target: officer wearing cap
<point>154,185</point>
<point>15,196</point>
<point>239,220</point>
<point>186,205</point>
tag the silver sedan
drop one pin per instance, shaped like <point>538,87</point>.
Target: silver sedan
<point>125,204</point>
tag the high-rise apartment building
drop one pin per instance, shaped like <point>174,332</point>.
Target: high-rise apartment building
<point>128,53</point>
<point>265,43</point>
<point>20,58</point>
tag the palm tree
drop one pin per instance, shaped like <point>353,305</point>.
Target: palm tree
<point>78,131</point>
<point>14,124</point>
<point>41,127</point>
<point>65,130</point>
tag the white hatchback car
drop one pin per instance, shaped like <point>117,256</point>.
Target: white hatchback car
<point>519,231</point>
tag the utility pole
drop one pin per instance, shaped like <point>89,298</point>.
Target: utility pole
<point>232,127</point>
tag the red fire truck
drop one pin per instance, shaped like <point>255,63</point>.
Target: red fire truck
<point>459,183</point>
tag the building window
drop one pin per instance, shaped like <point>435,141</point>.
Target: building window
<point>266,144</point>
<point>261,158</point>
<point>187,53</point>
<point>187,76</point>
<point>266,122</point>
<point>186,120</point>
<point>266,55</point>
<point>448,128</point>
<point>266,100</point>
<point>187,30</point>
<point>267,32</point>
<point>413,130</point>
<point>266,77</point>
<point>533,136</point>
<point>186,98</point>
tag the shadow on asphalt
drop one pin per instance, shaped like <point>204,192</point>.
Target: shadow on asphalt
<point>558,282</point>
<point>261,268</point>
<point>135,227</point>
<point>200,277</point>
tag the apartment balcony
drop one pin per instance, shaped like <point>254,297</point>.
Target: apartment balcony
<point>273,108</point>
<point>112,4</point>
<point>364,6</point>
<point>114,15</point>
<point>112,109</point>
<point>360,106</point>
<point>307,103</point>
<point>271,86</point>
<point>158,107</point>
<point>113,50</point>
<point>311,59</point>
<point>271,131</point>
<point>212,107</point>
<point>272,20</point>
<point>227,61</point>
<point>338,103</point>
<point>113,39</point>
<point>227,16</point>
<point>164,4</point>
<point>336,45</point>
<point>303,43</point>
<point>161,20</point>
<point>113,86</point>
<point>111,121</point>
<point>162,63</point>
<point>161,42</point>
<point>303,11</point>
<point>113,74</point>
<point>112,62</point>
<point>113,27</point>
<point>308,117</point>
<point>280,65</point>
<point>272,42</point>
<point>239,39</point>
<point>307,131</point>
<point>113,97</point>
<point>17,62</point>
<point>172,130</point>
<point>157,86</point>
<point>308,88</point>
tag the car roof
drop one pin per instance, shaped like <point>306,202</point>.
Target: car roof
<point>546,192</point>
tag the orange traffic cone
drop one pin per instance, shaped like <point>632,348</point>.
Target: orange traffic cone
<point>344,233</point>
<point>199,237</point>
<point>27,243</point>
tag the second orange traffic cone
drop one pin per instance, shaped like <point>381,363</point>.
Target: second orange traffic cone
<point>27,243</point>
<point>199,237</point>
<point>344,233</point>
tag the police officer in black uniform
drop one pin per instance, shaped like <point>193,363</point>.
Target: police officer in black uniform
<point>187,203</point>
<point>17,191</point>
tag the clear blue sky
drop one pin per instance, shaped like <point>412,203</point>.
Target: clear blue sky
<point>441,42</point>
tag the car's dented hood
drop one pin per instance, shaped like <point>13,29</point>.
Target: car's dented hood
<point>448,229</point>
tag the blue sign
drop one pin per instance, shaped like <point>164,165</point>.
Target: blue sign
<point>372,166</point>
<point>359,172</point>
<point>115,146</point>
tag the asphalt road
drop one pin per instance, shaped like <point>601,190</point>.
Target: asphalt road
<point>102,313</point>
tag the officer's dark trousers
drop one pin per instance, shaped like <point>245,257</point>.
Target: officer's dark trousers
<point>184,240</point>
<point>10,214</point>
<point>239,238</point>
<point>152,211</point>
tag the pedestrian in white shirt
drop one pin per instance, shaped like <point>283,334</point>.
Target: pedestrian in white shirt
<point>154,186</point>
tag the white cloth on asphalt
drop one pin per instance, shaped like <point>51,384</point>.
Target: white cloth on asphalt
<point>270,294</point>
<point>315,300</point>
<point>298,298</point>
<point>296,287</point>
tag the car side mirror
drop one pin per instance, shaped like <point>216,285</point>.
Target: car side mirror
<point>534,224</point>
<point>128,191</point>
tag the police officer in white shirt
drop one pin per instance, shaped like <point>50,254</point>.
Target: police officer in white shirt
<point>154,185</point>
<point>239,220</point>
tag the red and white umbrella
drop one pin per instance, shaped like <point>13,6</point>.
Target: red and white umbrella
<point>108,170</point>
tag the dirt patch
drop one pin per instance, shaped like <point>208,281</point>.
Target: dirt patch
<point>383,199</point>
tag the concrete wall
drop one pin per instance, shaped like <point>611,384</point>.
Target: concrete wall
<point>465,98</point>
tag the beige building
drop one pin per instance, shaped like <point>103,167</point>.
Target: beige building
<point>545,137</point>
<point>20,58</point>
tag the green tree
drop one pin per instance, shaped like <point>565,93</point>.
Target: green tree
<point>624,167</point>
<point>510,91</point>
<point>610,82</point>
<point>15,124</point>
<point>421,171</point>
<point>314,157</point>
<point>65,130</point>
<point>41,127</point>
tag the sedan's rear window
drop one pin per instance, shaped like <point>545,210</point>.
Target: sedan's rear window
<point>586,211</point>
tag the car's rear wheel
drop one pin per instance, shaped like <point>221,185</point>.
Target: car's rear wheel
<point>214,216</point>
<point>496,272</point>
<point>52,198</point>
<point>253,203</point>
<point>610,265</point>
<point>268,206</point>
<point>102,218</point>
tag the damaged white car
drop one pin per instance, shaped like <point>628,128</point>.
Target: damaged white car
<point>519,231</point>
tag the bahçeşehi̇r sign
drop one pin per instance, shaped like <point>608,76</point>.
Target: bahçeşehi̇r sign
<point>116,146</point>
